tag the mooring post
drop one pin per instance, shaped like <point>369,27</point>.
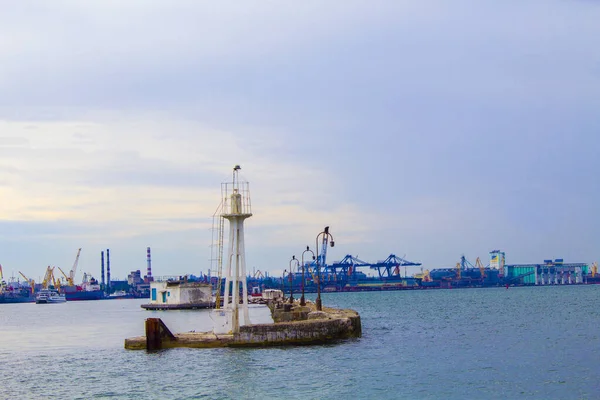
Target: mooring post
<point>153,339</point>
<point>156,332</point>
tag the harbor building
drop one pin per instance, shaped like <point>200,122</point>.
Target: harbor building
<point>177,294</point>
<point>497,261</point>
<point>549,272</point>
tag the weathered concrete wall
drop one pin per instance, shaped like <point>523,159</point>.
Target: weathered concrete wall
<point>342,324</point>
<point>196,293</point>
<point>294,314</point>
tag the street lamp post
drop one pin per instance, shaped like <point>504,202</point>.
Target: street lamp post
<point>291,278</point>
<point>283,282</point>
<point>302,301</point>
<point>326,236</point>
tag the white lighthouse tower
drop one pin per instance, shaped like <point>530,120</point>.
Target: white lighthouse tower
<point>236,207</point>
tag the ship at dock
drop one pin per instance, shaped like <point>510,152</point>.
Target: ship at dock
<point>88,290</point>
<point>11,295</point>
<point>14,292</point>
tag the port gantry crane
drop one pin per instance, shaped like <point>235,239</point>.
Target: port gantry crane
<point>346,268</point>
<point>390,267</point>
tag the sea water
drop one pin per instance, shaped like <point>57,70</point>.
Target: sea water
<point>494,343</point>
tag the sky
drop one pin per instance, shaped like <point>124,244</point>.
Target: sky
<point>427,129</point>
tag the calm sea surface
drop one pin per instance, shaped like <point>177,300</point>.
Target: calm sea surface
<point>539,342</point>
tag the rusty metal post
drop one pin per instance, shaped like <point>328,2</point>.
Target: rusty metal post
<point>153,338</point>
<point>156,333</point>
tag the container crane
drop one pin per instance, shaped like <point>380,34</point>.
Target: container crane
<point>458,271</point>
<point>55,281</point>
<point>31,281</point>
<point>384,267</point>
<point>258,275</point>
<point>594,269</point>
<point>347,266</point>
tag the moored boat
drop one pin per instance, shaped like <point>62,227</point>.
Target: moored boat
<point>17,296</point>
<point>49,296</point>
<point>120,294</point>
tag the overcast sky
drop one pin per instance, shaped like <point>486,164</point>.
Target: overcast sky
<point>428,129</point>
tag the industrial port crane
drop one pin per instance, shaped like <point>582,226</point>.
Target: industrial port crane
<point>479,265</point>
<point>31,281</point>
<point>65,275</point>
<point>258,275</point>
<point>347,266</point>
<point>56,281</point>
<point>48,277</point>
<point>2,283</point>
<point>71,277</point>
<point>390,264</point>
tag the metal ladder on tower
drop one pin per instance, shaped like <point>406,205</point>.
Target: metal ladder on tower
<point>218,228</point>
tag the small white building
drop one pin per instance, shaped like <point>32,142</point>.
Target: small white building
<point>176,295</point>
<point>272,294</point>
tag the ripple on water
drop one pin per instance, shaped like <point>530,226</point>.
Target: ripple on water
<point>479,343</point>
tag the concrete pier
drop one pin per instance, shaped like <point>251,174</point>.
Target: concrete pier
<point>294,325</point>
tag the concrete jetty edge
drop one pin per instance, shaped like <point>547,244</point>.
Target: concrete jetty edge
<point>293,326</point>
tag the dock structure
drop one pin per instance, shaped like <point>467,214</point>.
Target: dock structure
<point>179,295</point>
<point>295,325</point>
